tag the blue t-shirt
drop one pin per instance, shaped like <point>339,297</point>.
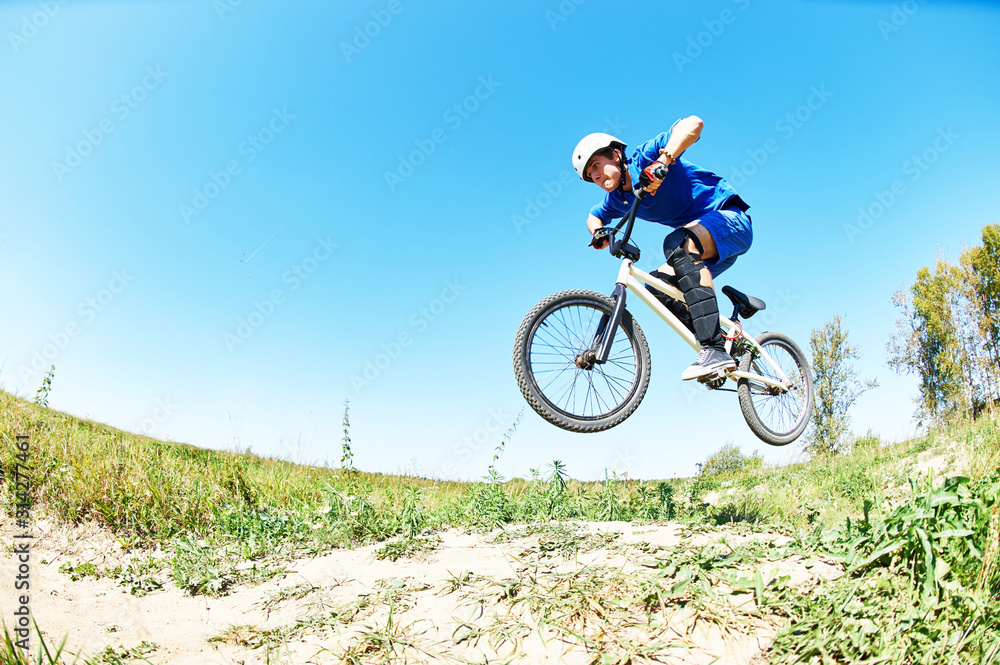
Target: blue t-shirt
<point>687,193</point>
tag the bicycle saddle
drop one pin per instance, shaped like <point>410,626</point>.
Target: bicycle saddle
<point>747,305</point>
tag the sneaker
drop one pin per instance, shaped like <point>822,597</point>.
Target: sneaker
<point>710,361</point>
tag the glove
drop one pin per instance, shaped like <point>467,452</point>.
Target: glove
<point>650,174</point>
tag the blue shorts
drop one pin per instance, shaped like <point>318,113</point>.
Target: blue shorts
<point>732,232</point>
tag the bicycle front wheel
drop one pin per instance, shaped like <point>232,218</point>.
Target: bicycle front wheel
<point>557,376</point>
<point>776,417</point>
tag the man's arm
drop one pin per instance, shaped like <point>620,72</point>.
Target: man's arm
<point>683,135</point>
<point>593,224</point>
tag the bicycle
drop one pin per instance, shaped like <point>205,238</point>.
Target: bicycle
<point>583,364</point>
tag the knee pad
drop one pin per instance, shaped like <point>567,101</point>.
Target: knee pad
<point>662,276</point>
<point>700,299</point>
<point>676,307</point>
<point>674,242</point>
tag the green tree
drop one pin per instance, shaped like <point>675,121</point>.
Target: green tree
<point>928,341</point>
<point>729,459</point>
<point>981,282</point>
<point>836,384</point>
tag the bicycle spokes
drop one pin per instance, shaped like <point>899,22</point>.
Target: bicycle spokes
<point>561,359</point>
<point>778,410</point>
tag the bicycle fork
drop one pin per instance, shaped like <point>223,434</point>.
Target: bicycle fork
<point>600,347</point>
<point>609,323</point>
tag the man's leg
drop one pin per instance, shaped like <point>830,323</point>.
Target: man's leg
<point>676,307</point>
<point>686,250</point>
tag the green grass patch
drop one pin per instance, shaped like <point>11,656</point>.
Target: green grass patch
<point>920,555</point>
<point>407,548</point>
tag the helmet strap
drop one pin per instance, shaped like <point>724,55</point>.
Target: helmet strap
<point>623,167</point>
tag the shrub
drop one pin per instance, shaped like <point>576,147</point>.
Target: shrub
<point>869,441</point>
<point>730,459</point>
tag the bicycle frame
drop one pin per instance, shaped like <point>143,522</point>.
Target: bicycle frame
<point>632,279</point>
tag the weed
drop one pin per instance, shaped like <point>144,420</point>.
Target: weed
<point>111,656</point>
<point>920,445</point>
<point>745,509</point>
<point>196,570</point>
<point>389,642</point>
<point>347,455</point>
<point>289,593</point>
<point>568,543</point>
<point>250,636</point>
<point>868,443</point>
<point>137,583</point>
<point>80,571</point>
<point>456,582</point>
<point>14,650</point>
<point>855,484</point>
<point>413,516</point>
<point>42,394</point>
<point>407,548</point>
<point>545,529</point>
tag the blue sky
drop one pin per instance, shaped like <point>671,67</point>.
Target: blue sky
<point>214,215</point>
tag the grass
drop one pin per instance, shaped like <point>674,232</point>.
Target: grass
<point>921,550</point>
<point>11,653</point>
<point>407,548</point>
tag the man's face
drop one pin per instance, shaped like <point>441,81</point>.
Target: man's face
<point>604,172</point>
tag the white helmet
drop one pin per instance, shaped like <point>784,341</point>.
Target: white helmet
<point>590,144</point>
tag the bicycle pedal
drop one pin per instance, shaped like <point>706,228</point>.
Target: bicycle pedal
<point>715,379</point>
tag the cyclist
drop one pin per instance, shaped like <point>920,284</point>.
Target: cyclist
<point>710,221</point>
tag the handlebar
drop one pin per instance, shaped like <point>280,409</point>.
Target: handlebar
<point>629,219</point>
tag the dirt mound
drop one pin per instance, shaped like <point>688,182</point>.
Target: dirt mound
<point>557,592</point>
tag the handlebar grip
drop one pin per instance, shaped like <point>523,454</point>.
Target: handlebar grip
<point>659,171</point>
<point>600,236</point>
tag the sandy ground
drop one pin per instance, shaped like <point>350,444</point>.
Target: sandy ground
<point>474,598</point>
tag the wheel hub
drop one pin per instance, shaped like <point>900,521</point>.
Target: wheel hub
<point>586,360</point>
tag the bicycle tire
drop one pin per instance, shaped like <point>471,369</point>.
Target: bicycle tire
<point>538,338</point>
<point>762,407</point>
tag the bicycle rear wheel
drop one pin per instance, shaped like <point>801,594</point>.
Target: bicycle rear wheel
<point>557,378</point>
<point>776,417</point>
